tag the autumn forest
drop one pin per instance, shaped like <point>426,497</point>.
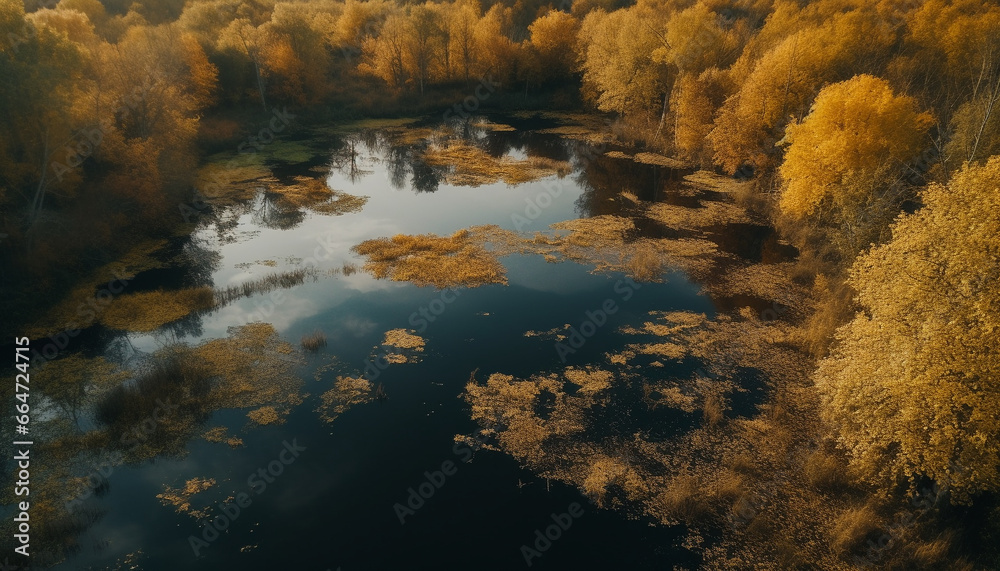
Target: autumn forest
<point>857,140</point>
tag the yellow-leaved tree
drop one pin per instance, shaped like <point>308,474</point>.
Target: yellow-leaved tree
<point>914,384</point>
<point>844,158</point>
<point>856,128</point>
<point>783,82</point>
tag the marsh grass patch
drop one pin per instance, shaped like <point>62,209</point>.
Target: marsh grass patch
<point>150,310</point>
<point>427,259</point>
<point>471,166</point>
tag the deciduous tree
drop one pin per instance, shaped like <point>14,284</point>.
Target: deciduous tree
<point>914,385</point>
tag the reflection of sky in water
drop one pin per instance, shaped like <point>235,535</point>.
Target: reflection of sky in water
<point>334,506</point>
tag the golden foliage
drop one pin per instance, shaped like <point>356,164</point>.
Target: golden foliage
<point>786,78</point>
<point>618,72</point>
<point>856,128</point>
<point>912,385</point>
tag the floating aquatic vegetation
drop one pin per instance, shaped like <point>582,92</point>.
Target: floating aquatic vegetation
<point>265,415</point>
<point>590,380</point>
<point>487,125</point>
<point>220,435</point>
<point>150,310</point>
<point>75,380</point>
<point>365,124</point>
<point>710,213</point>
<point>506,407</point>
<point>771,282</point>
<point>180,498</point>
<point>403,346</point>
<point>578,126</point>
<point>248,265</point>
<point>707,180</point>
<point>346,392</point>
<point>230,178</point>
<point>457,260</point>
<point>313,194</point>
<point>404,339</point>
<point>412,136</point>
<point>607,242</point>
<point>649,159</point>
<point>471,166</point>
<point>659,160</point>
<point>555,334</point>
<point>252,367</point>
<point>288,151</point>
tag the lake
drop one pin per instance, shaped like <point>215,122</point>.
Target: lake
<point>329,474</point>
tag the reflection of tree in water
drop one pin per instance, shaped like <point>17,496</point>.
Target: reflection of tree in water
<point>603,178</point>
<point>346,158</point>
<point>269,212</point>
<point>198,262</point>
<point>404,162</point>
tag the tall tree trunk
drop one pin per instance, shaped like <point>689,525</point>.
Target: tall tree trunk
<point>993,96</point>
<point>663,115</point>
<point>260,84</point>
